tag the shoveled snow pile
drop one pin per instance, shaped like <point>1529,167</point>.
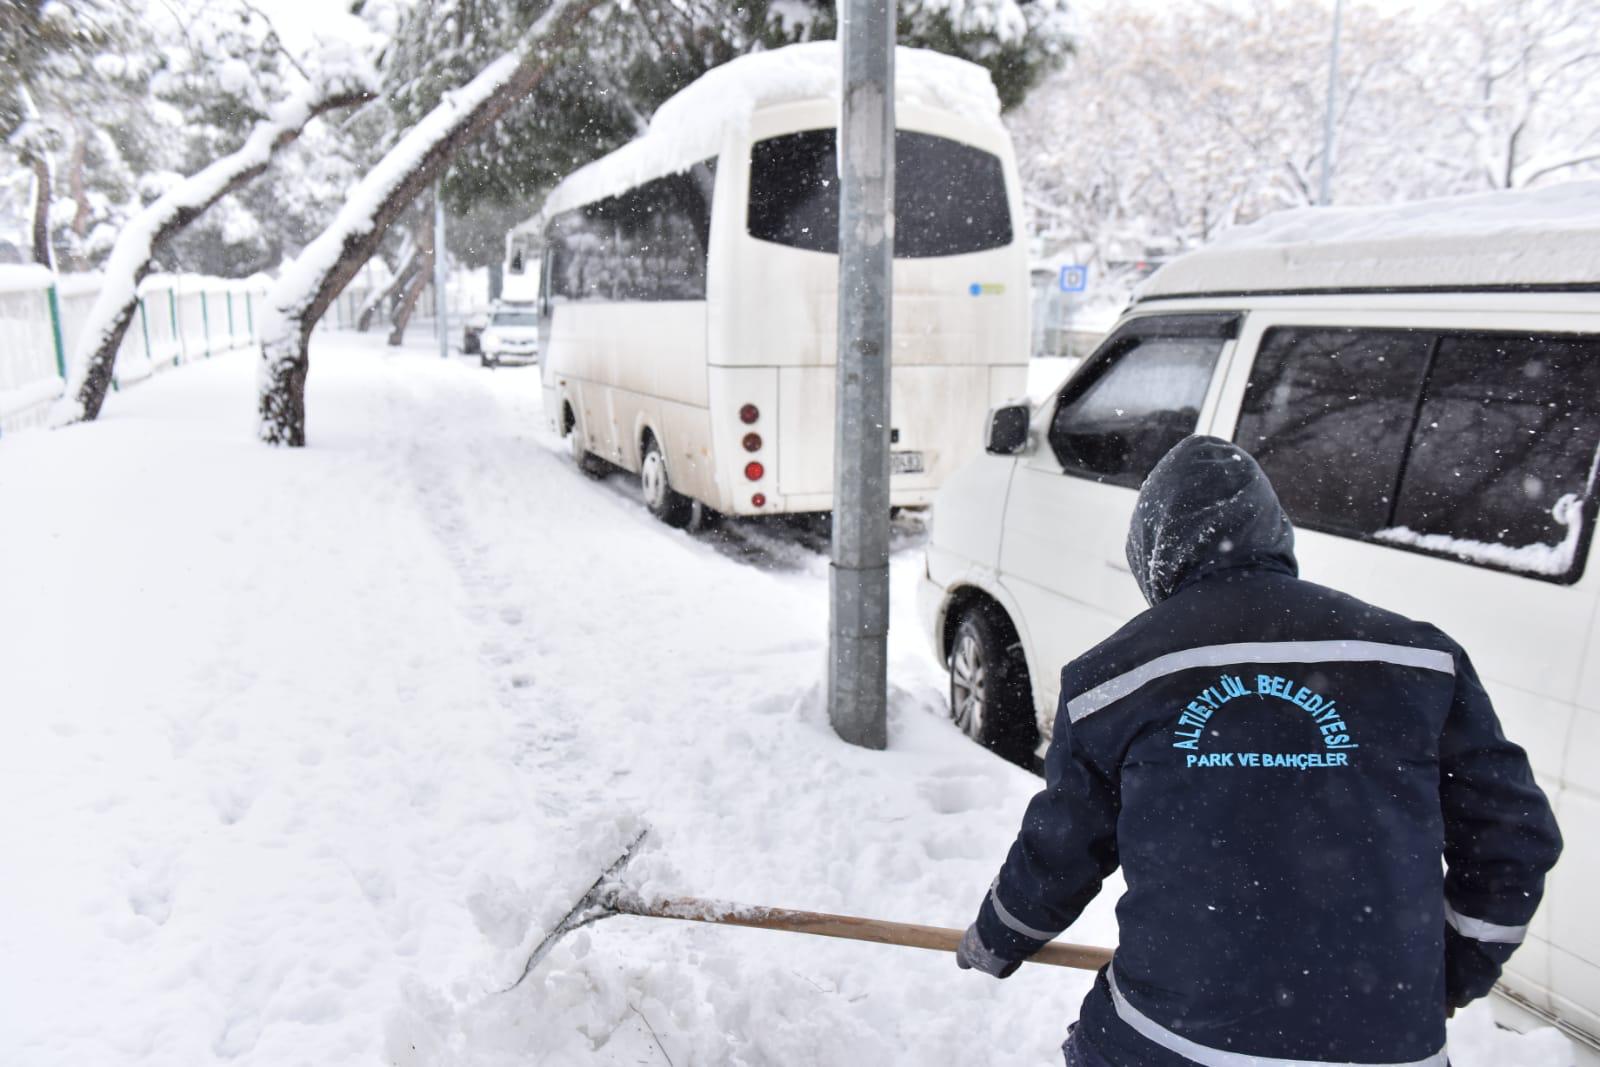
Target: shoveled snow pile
<point>693,124</point>
<point>305,749</point>
<point>1527,237</point>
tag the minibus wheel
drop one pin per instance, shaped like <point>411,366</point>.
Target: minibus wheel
<point>664,502</point>
<point>991,697</point>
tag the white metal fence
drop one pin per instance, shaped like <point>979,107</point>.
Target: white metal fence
<point>180,318</point>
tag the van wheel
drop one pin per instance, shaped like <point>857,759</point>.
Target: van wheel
<point>664,502</point>
<point>582,458</point>
<point>991,698</point>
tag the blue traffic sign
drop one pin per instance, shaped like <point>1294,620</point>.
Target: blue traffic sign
<point>1074,278</point>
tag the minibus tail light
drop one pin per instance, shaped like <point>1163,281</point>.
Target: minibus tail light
<point>752,442</point>
<point>749,414</point>
<point>754,471</point>
<point>758,500</point>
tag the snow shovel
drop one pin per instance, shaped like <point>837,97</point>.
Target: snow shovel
<point>607,897</point>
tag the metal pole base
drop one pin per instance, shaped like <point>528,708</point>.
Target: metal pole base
<point>858,662</point>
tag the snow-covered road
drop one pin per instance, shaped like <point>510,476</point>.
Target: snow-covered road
<point>303,750</point>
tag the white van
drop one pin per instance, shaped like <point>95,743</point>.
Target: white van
<point>690,286</point>
<point>1422,385</point>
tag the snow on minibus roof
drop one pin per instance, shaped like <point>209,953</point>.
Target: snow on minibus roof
<point>689,127</point>
<point>1548,236</point>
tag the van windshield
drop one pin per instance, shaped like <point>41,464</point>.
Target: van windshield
<point>949,198</point>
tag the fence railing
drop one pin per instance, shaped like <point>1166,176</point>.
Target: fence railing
<point>180,318</point>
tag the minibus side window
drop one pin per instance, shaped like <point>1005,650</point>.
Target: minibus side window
<point>1327,413</point>
<point>1115,422</point>
<point>648,243</point>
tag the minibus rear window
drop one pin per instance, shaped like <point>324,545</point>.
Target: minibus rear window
<point>949,198</point>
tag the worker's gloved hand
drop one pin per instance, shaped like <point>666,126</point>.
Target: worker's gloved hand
<point>973,955</point>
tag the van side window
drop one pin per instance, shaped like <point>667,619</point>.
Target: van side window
<point>1504,453</point>
<point>1133,403</point>
<point>1477,446</point>
<point>1327,413</point>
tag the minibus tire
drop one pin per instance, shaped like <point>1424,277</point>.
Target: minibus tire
<point>985,653</point>
<point>663,501</point>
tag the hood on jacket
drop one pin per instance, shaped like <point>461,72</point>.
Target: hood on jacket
<point>1206,506</point>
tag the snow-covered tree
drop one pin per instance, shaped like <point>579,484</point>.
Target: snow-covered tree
<point>1518,85</point>
<point>60,70</point>
<point>336,76</point>
<point>311,283</point>
<point>1171,123</point>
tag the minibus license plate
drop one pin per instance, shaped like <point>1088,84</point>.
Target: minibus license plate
<point>905,463</point>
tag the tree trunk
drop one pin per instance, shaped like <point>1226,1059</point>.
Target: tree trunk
<point>408,302</point>
<point>131,258</point>
<point>41,213</point>
<point>419,280</point>
<point>309,286</point>
<point>33,142</point>
<point>79,191</point>
<point>408,266</point>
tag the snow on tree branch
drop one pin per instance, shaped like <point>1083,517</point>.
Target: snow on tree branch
<point>342,85</point>
<point>310,284</point>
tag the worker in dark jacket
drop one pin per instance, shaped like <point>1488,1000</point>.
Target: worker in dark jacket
<point>1277,768</point>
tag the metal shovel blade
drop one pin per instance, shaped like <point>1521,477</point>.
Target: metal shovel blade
<point>591,907</point>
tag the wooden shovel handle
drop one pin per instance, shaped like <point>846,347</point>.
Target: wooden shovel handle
<point>822,924</point>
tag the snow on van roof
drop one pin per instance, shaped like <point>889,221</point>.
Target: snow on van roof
<point>1545,236</point>
<point>690,126</point>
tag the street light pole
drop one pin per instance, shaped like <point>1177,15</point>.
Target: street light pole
<point>1324,194</point>
<point>441,272</point>
<point>858,580</point>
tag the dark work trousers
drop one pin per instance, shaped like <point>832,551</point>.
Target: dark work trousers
<point>1078,1052</point>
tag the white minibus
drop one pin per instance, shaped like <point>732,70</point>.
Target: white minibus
<point>1422,385</point>
<point>690,286</point>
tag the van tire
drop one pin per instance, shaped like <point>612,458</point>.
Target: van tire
<point>991,696</point>
<point>582,458</point>
<point>664,502</point>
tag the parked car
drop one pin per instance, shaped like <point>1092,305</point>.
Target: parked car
<point>511,336</point>
<point>1422,385</point>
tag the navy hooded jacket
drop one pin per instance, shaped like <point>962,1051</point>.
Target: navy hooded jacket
<point>1278,769</point>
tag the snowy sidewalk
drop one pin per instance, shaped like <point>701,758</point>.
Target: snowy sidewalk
<point>304,749</point>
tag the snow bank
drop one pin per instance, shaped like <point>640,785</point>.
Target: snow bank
<point>20,399</point>
<point>1543,236</point>
<point>692,125</point>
